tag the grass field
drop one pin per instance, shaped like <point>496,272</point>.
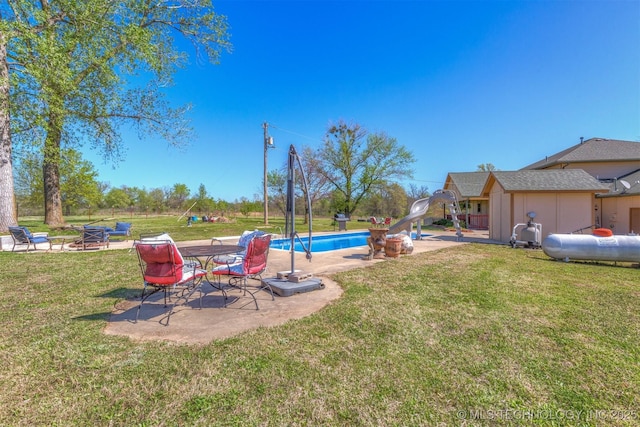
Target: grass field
<point>471,335</point>
<point>176,225</point>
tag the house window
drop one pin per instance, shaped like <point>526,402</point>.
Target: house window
<point>479,209</point>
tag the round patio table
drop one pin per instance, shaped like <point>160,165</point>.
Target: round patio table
<point>206,253</point>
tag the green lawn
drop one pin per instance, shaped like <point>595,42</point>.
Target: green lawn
<point>176,226</point>
<point>471,335</point>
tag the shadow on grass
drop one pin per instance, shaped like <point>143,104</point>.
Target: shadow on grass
<point>125,293</point>
<point>123,296</point>
<point>94,316</point>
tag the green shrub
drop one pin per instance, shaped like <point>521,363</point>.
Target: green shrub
<point>448,223</point>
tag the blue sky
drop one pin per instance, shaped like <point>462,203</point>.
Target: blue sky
<point>458,83</point>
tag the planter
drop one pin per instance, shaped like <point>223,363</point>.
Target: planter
<point>393,247</point>
<point>378,241</point>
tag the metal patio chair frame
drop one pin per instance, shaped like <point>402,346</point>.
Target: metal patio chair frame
<point>94,237</point>
<point>22,236</point>
<point>251,266</point>
<point>165,270</point>
<point>243,241</point>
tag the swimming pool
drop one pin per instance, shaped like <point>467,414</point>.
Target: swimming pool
<point>328,242</point>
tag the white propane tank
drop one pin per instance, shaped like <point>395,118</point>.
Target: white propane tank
<point>530,235</point>
<point>590,247</point>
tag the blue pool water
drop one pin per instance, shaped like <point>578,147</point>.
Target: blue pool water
<point>327,242</point>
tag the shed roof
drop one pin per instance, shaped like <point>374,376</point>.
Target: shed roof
<point>552,180</point>
<point>592,150</point>
<point>469,184</point>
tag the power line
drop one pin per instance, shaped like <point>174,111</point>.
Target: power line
<point>423,180</point>
<point>319,140</point>
<point>295,133</point>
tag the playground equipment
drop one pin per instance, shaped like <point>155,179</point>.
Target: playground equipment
<point>600,246</point>
<point>419,209</point>
<point>187,211</point>
<point>530,234</point>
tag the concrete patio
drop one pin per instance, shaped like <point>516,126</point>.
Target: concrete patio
<point>192,325</point>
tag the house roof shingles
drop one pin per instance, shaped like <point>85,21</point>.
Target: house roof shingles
<point>469,184</point>
<point>549,180</point>
<point>592,150</point>
<point>617,188</point>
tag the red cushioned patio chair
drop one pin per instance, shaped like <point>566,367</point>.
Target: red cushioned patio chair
<point>164,269</point>
<point>243,242</point>
<point>250,266</point>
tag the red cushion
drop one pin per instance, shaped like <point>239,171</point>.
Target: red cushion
<point>155,253</point>
<point>163,274</point>
<point>164,263</point>
<point>256,260</point>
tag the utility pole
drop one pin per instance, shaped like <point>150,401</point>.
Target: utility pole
<point>268,142</point>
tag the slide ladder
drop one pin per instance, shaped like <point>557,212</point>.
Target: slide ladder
<point>419,209</point>
<point>454,211</point>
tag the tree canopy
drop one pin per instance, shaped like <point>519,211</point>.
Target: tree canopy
<point>79,184</point>
<point>356,162</point>
<point>66,63</point>
<point>486,167</point>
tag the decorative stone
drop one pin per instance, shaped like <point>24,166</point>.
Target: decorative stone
<point>378,241</point>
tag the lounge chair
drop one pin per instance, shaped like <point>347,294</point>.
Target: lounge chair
<point>121,229</point>
<point>94,237</point>
<point>22,236</point>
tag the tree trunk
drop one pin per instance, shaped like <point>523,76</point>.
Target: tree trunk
<point>8,214</point>
<point>51,173</point>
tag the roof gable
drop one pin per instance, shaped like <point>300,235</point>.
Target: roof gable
<point>468,184</point>
<point>592,150</point>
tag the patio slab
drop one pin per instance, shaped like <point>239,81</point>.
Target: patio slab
<point>191,325</point>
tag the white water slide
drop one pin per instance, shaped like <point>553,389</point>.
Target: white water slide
<point>419,210</point>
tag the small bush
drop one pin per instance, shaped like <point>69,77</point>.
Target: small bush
<point>449,223</point>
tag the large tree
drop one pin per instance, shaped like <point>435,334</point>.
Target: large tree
<point>118,198</point>
<point>389,201</point>
<point>8,216</point>
<point>67,65</point>
<point>177,196</point>
<point>79,186</point>
<point>356,162</point>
